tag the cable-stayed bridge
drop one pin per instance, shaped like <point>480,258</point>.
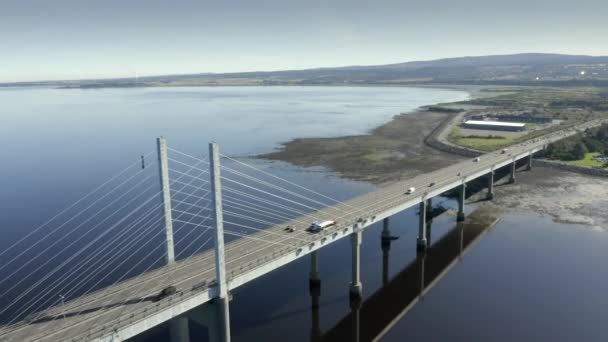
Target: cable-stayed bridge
<point>132,254</point>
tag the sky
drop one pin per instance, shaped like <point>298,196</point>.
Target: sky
<point>76,39</point>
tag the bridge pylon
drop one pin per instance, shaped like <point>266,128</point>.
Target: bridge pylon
<point>163,171</point>
<point>220,262</point>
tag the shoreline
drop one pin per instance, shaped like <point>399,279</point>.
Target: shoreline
<point>397,149</point>
<point>387,153</point>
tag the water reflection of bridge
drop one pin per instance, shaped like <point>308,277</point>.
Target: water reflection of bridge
<point>371,319</point>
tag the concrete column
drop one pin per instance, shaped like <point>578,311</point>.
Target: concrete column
<point>179,329</point>
<point>163,171</point>
<point>490,194</point>
<point>461,196</point>
<point>220,263</point>
<point>512,177</point>
<point>385,243</point>
<point>529,163</point>
<point>429,206</point>
<point>355,285</point>
<point>314,279</point>
<point>421,241</point>
<point>429,224</point>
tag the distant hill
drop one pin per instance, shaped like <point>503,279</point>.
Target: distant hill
<point>517,69</point>
<point>501,60</point>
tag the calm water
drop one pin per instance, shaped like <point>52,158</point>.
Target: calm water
<point>528,278</point>
<point>58,144</point>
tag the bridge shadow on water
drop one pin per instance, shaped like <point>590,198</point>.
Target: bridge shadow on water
<point>373,318</point>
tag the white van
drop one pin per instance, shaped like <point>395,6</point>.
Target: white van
<point>410,190</point>
<point>318,226</point>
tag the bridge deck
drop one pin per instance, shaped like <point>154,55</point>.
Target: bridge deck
<point>125,309</point>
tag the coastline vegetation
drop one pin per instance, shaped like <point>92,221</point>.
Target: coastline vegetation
<point>582,148</point>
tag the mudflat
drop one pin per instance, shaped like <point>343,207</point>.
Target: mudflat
<point>565,196</point>
<point>390,152</point>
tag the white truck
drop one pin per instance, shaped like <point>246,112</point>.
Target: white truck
<point>318,226</point>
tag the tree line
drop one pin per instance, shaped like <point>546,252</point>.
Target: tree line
<point>575,147</point>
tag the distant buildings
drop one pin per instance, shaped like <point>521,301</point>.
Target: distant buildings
<point>513,118</point>
<point>494,125</point>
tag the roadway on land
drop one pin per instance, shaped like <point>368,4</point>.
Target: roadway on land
<point>100,312</point>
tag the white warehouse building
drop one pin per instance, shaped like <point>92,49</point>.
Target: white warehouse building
<point>494,125</point>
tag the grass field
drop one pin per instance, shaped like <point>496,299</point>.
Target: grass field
<point>587,161</point>
<point>571,105</point>
<point>482,144</point>
<point>531,125</point>
<point>457,136</point>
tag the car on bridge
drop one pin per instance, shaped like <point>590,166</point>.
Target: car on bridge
<point>318,226</point>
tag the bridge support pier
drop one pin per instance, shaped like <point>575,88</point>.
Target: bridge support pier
<point>529,163</point>
<point>429,224</point>
<point>179,329</point>
<point>429,206</point>
<point>314,280</point>
<point>512,176</point>
<point>421,241</point>
<point>461,196</point>
<point>490,194</point>
<point>356,288</point>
